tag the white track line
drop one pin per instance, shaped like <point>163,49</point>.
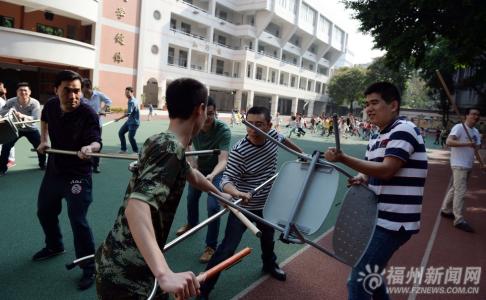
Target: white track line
<point>285,262</point>
<point>430,245</point>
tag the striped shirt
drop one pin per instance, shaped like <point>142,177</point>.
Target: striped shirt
<point>250,165</point>
<point>400,198</point>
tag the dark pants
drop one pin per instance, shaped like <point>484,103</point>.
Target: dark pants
<point>34,139</point>
<point>383,245</point>
<point>232,237</point>
<point>77,192</point>
<point>193,196</point>
<point>132,130</point>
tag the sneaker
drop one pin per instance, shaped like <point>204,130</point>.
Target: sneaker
<point>447,215</point>
<point>46,253</point>
<point>86,280</point>
<point>183,229</point>
<point>42,167</point>
<point>122,152</point>
<point>464,226</point>
<point>11,163</point>
<point>207,255</point>
<point>96,170</point>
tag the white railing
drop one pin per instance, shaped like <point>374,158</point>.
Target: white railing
<point>225,46</point>
<point>178,31</point>
<point>194,6</point>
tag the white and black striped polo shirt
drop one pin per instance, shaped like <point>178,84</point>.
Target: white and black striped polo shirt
<point>400,198</point>
<point>250,165</point>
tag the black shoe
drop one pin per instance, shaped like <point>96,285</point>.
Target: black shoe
<point>447,215</point>
<point>275,272</point>
<point>96,170</point>
<point>42,167</point>
<point>464,226</point>
<point>86,280</point>
<point>46,253</point>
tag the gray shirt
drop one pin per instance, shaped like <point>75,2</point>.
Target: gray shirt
<point>32,109</point>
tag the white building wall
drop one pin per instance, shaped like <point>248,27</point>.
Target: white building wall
<point>234,79</point>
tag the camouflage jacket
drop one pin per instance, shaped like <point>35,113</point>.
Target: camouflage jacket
<point>159,181</point>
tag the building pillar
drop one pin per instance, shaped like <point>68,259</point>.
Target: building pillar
<point>162,89</point>
<point>310,108</point>
<point>274,105</point>
<point>295,103</point>
<point>238,97</point>
<point>249,100</point>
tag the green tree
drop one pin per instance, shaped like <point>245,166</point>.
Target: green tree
<point>410,30</point>
<point>380,71</point>
<point>417,94</point>
<point>347,85</point>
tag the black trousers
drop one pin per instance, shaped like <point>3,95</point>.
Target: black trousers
<point>34,139</point>
<point>78,194</point>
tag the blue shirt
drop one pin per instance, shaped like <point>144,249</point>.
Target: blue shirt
<point>95,101</point>
<point>133,112</point>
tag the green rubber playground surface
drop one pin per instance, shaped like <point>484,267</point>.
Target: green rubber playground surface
<point>22,236</point>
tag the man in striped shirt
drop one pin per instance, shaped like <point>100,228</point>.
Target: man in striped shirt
<point>252,161</point>
<point>395,168</point>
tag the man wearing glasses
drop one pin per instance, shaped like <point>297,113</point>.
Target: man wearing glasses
<point>252,161</point>
<point>70,125</point>
<point>214,134</point>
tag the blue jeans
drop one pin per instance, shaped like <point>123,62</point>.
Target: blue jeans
<point>132,130</point>
<point>382,246</point>
<point>78,194</point>
<point>232,237</point>
<point>193,196</point>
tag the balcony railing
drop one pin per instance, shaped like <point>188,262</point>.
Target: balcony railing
<point>195,7</point>
<point>196,36</point>
<point>226,46</point>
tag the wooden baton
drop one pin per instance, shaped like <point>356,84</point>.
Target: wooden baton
<point>456,110</point>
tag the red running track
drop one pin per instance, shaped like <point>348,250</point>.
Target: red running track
<point>313,275</point>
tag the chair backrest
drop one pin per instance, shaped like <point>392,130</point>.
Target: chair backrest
<point>316,204</point>
<point>8,130</point>
<point>355,224</point>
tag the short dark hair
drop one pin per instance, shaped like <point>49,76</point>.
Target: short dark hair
<point>129,88</point>
<point>260,110</point>
<point>183,95</point>
<point>211,102</point>
<point>86,82</point>
<point>387,90</point>
<point>66,75</point>
<point>23,84</point>
<point>468,110</point>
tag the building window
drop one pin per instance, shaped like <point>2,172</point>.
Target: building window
<point>7,22</point>
<point>170,57</point>
<point>309,85</point>
<point>183,58</point>
<point>173,24</point>
<point>50,30</point>
<point>221,40</point>
<point>248,71</point>
<point>219,67</point>
<point>185,27</point>
<point>259,73</point>
<point>292,81</point>
<point>274,75</point>
<point>223,15</point>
